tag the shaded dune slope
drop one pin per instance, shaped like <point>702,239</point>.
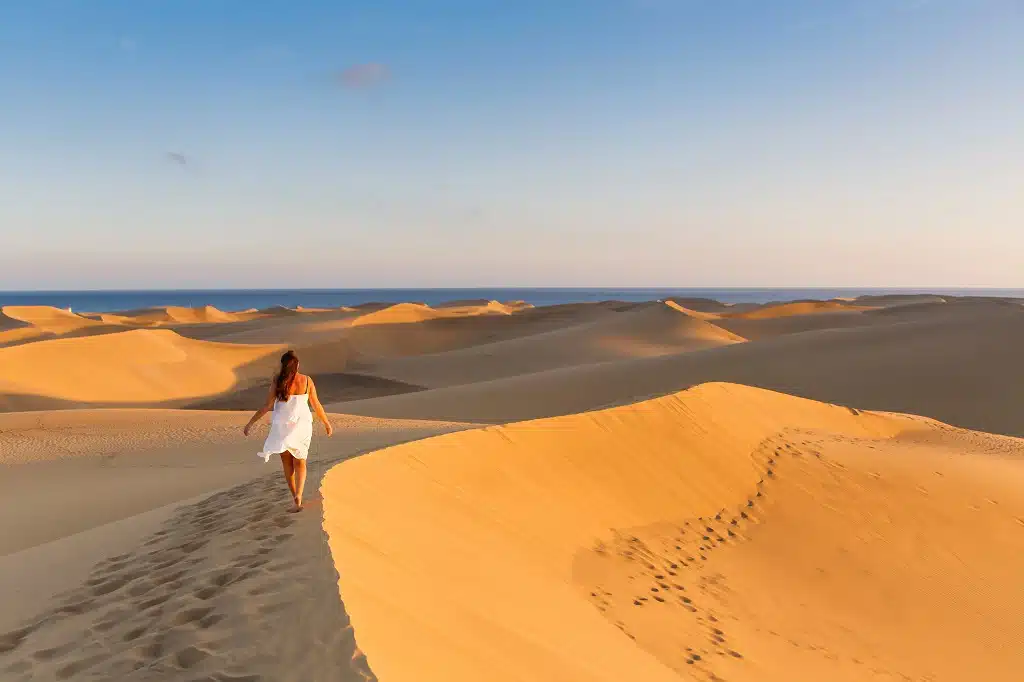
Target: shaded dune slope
<point>725,532</point>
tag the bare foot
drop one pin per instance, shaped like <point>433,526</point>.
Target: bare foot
<point>298,506</point>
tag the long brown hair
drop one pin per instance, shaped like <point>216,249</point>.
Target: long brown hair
<point>284,378</point>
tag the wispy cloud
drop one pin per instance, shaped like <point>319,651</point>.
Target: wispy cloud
<point>363,76</point>
<point>176,158</point>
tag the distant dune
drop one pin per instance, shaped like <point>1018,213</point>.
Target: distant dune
<point>797,308</point>
<point>176,315</point>
<point>723,533</point>
<point>47,318</point>
<point>652,330</point>
<point>962,367</point>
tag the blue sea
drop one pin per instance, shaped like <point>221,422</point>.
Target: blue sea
<point>233,300</point>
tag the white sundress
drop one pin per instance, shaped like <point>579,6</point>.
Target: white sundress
<point>291,428</point>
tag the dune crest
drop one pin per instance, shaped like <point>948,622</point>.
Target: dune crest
<point>666,539</point>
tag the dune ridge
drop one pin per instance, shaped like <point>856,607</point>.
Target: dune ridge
<point>527,551</point>
<point>647,331</point>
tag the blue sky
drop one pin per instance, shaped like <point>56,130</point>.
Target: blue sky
<point>221,143</point>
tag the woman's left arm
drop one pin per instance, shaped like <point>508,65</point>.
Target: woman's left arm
<point>268,405</point>
<point>318,408</point>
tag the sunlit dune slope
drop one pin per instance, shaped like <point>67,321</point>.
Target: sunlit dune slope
<point>651,330</point>
<point>137,366</point>
<point>722,533</point>
<point>45,319</point>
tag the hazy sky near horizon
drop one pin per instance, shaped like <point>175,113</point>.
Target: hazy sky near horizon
<point>191,143</point>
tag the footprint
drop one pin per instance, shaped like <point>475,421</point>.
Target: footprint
<point>192,615</point>
<point>9,641</point>
<point>207,592</point>
<point>210,621</point>
<point>153,650</point>
<point>54,652</point>
<point>140,589</point>
<point>134,634</point>
<point>155,601</point>
<point>111,585</point>
<point>76,608</point>
<point>190,657</point>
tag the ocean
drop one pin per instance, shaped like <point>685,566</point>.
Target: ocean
<point>234,300</point>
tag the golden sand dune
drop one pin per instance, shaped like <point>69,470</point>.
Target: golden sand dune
<point>45,318</point>
<point>406,313</point>
<point>137,366</point>
<point>647,331</point>
<point>963,368</point>
<point>483,307</point>
<point>16,331</point>
<point>176,315</point>
<point>722,533</point>
<point>8,323</point>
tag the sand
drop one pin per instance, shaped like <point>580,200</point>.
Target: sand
<point>159,547</point>
<point>143,540</point>
<point>721,533</point>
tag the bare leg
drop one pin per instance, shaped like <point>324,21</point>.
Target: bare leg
<point>300,481</point>
<point>288,464</point>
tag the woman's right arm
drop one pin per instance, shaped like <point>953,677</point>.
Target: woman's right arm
<point>268,405</point>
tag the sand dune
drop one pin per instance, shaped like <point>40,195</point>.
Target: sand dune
<point>890,300</point>
<point>451,332</point>
<point>150,544</point>
<point>722,533</point>
<point>299,331</point>
<point>652,330</point>
<point>176,315</point>
<point>16,331</point>
<point>406,313</point>
<point>962,368</point>
<point>46,318</point>
<point>138,366</point>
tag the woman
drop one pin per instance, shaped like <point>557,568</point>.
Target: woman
<point>291,426</point>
